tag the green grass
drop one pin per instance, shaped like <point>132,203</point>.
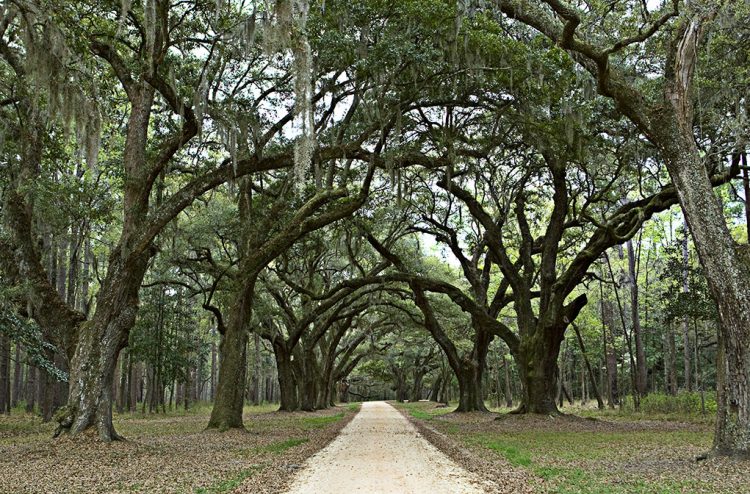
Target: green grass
<point>320,422</point>
<point>511,452</point>
<point>424,411</point>
<point>282,446</point>
<point>229,484</point>
<point>354,407</point>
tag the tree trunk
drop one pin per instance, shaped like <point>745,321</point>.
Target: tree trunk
<point>640,353</point>
<point>230,390</point>
<point>592,378</point>
<point>17,378</point>
<point>100,340</point>
<point>508,391</point>
<point>31,373</point>
<point>471,397</point>
<point>686,354</point>
<point>435,388</point>
<point>287,379</point>
<point>5,397</point>
<point>416,389</point>
<point>746,188</point>
<point>728,274</point>
<point>123,385</point>
<point>537,366</point>
<point>256,369</point>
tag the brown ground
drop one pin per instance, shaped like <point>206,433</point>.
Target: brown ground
<point>165,454</point>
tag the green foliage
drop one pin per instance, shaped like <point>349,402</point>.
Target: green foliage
<point>39,352</point>
<point>684,403</point>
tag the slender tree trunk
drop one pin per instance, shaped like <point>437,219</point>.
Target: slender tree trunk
<point>640,353</point>
<point>31,373</point>
<point>17,378</point>
<point>133,381</point>
<point>686,354</point>
<point>256,370</point>
<point>508,391</point>
<point>613,398</point>
<point>123,386</point>
<point>592,378</point>
<point>5,381</point>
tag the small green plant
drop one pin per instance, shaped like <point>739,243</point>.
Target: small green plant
<point>515,456</point>
<point>228,485</point>
<point>320,422</point>
<point>687,403</point>
<point>282,446</point>
<point>420,414</point>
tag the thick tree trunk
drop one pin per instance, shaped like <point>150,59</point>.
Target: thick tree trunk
<point>728,275</point>
<point>537,366</point>
<point>471,396</point>
<point>435,388</point>
<point>100,340</point>
<point>416,388</point>
<point>400,385</point>
<point>287,379</point>
<point>307,378</point>
<point>230,390</point>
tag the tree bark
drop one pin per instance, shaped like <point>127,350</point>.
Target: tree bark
<point>289,399</point>
<point>470,390</point>
<point>256,395</point>
<point>230,390</point>
<point>640,353</point>
<point>592,378</point>
<point>686,354</point>
<point>17,378</point>
<point>5,397</point>
<point>539,372</point>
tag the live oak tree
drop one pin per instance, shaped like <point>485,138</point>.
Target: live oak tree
<point>666,116</point>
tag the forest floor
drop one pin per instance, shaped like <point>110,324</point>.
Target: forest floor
<point>380,452</point>
<point>574,454</point>
<point>166,453</point>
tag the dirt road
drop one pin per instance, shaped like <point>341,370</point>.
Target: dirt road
<point>381,452</point>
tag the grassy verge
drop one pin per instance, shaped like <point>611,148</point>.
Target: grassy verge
<point>623,454</point>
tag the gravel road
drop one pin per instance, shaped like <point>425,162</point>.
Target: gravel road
<point>381,452</point>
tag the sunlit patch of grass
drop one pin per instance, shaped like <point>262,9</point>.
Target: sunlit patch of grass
<point>320,422</point>
<point>588,462</point>
<point>281,446</point>
<point>354,407</point>
<point>424,410</point>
